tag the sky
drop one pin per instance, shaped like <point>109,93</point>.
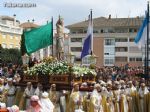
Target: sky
<point>73,11</point>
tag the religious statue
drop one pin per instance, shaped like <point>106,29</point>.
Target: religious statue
<point>60,38</point>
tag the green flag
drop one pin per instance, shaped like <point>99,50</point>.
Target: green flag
<point>38,38</point>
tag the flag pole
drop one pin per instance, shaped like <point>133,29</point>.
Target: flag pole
<point>52,38</point>
<point>147,64</point>
<point>91,13</point>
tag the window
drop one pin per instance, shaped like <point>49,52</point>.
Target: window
<point>124,30</point>
<point>132,30</point>
<point>110,31</point>
<point>76,39</point>
<point>134,49</point>
<point>4,36</point>
<point>73,32</point>
<point>76,49</point>
<point>95,31</point>
<point>85,31</point>
<point>11,37</point>
<point>121,49</point>
<point>106,53</point>
<point>121,40</point>
<point>109,61</point>
<point>121,59</point>
<point>138,59</point>
<point>109,42</point>
<point>131,39</point>
<point>135,59</point>
<point>109,50</point>
<point>132,59</point>
<point>80,31</point>
<point>17,38</point>
<point>17,47</point>
<point>4,45</point>
<point>11,46</point>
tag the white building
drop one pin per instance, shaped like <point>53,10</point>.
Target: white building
<point>10,32</point>
<point>113,40</point>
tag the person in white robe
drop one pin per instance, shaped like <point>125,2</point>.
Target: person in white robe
<point>129,92</point>
<point>76,99</point>
<point>96,100</point>
<point>10,94</point>
<point>29,91</point>
<point>110,103</point>
<point>123,101</point>
<point>39,90</point>
<point>142,91</point>
<point>55,97</point>
<point>116,94</point>
<point>46,104</point>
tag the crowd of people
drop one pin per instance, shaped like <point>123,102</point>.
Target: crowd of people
<point>116,89</point>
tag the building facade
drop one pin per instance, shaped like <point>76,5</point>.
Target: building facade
<point>113,40</point>
<point>10,32</point>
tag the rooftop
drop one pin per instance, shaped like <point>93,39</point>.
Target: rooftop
<point>29,25</point>
<point>109,22</point>
<point>7,18</point>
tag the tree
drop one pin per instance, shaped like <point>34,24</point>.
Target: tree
<point>23,48</point>
<point>10,56</point>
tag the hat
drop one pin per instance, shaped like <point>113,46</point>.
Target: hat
<point>103,83</point>
<point>116,82</point>
<point>9,79</point>
<point>53,85</point>
<point>34,98</point>
<point>129,82</point>
<point>84,84</point>
<point>75,84</point>
<point>14,108</point>
<point>109,83</point>
<point>3,105</point>
<point>122,81</point>
<point>97,85</point>
<point>45,95</point>
<point>29,83</point>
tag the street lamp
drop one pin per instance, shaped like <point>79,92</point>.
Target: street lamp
<point>89,60</point>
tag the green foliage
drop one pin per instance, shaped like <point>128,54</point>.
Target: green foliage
<point>10,56</point>
<point>23,48</point>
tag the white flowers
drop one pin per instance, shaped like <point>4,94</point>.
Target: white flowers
<point>59,68</point>
<point>81,71</point>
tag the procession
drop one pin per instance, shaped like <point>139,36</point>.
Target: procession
<point>114,90</point>
<point>98,64</point>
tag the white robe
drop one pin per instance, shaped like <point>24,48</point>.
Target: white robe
<point>97,104</point>
<point>29,93</point>
<point>47,105</point>
<point>142,93</point>
<point>38,92</point>
<point>11,95</point>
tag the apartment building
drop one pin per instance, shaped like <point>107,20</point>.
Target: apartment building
<point>10,32</point>
<point>113,40</point>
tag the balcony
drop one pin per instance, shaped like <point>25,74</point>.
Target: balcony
<point>8,29</point>
<point>121,44</point>
<point>121,54</point>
